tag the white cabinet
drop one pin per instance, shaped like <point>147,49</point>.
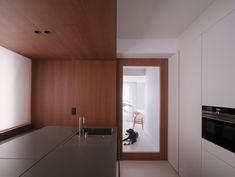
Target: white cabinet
<point>211,166</point>
<point>216,162</point>
<point>218,63</point>
<point>224,155</point>
<point>218,86</point>
<point>190,110</point>
<point>206,77</point>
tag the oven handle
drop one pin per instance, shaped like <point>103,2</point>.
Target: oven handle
<point>221,120</point>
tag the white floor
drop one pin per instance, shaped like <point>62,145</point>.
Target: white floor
<point>146,169</point>
<point>144,142</point>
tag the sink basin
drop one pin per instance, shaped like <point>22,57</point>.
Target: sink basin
<point>98,131</point>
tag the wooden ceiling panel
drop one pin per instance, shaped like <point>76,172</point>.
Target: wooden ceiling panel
<point>80,29</point>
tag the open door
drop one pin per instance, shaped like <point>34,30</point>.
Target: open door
<point>142,109</point>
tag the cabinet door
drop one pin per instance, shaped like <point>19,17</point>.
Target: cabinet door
<point>218,63</point>
<point>212,166</point>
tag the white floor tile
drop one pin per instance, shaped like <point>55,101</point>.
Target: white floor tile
<point>147,169</point>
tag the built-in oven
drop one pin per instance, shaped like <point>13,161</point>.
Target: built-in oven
<point>218,126</point>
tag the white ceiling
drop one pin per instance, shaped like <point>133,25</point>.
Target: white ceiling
<point>156,19</point>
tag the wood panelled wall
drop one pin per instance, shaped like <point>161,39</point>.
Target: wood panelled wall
<point>59,85</point>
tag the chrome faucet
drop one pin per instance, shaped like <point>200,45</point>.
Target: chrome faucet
<point>80,125</point>
<point>217,111</point>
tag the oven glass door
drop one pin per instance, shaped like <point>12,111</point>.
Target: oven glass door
<point>220,133</point>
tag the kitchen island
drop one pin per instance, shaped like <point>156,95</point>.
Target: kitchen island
<point>72,155</point>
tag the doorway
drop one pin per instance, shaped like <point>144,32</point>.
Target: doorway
<point>142,109</point>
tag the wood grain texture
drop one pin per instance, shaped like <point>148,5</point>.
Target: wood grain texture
<point>80,29</point>
<point>96,92</point>
<point>163,64</point>
<point>59,85</point>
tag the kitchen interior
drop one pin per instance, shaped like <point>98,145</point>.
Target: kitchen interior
<point>61,71</point>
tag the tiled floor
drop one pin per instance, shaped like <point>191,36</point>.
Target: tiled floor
<point>146,169</point>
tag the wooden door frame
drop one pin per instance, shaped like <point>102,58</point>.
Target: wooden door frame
<point>163,64</point>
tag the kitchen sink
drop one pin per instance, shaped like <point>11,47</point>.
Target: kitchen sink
<point>97,131</point>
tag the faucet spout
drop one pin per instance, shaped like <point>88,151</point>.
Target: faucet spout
<point>80,125</point>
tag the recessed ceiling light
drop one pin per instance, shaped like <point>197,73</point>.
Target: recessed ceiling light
<point>47,32</point>
<point>37,32</point>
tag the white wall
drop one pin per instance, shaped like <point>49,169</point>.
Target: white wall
<point>129,97</point>
<point>15,89</point>
<point>173,109</point>
<point>145,48</point>
<point>190,110</point>
<point>152,120</point>
<point>134,94</point>
<point>140,96</point>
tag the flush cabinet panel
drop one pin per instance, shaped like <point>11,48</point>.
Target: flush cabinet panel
<point>224,155</point>
<point>218,63</point>
<point>212,166</point>
<point>217,161</point>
